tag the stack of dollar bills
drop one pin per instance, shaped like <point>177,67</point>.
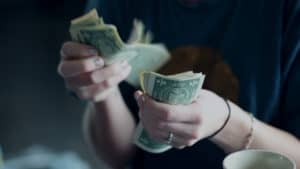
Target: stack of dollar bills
<point>182,88</point>
<point>145,58</point>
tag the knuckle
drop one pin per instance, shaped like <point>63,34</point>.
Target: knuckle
<point>84,66</point>
<point>190,142</point>
<point>198,119</point>
<point>107,83</point>
<point>81,80</point>
<point>195,134</point>
<point>178,146</point>
<point>97,76</point>
<point>66,46</point>
<point>82,52</point>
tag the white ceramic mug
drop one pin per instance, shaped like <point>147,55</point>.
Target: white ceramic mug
<point>257,159</point>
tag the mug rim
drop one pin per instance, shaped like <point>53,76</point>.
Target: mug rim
<point>259,150</point>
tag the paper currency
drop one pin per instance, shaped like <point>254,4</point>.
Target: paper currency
<point>175,89</point>
<point>148,58</point>
<point>139,34</point>
<point>104,39</point>
<point>90,29</point>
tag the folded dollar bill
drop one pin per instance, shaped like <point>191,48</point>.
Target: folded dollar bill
<point>182,88</point>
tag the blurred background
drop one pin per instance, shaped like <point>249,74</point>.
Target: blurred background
<point>34,106</point>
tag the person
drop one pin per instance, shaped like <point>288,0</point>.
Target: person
<point>259,46</point>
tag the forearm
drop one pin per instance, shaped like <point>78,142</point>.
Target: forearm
<point>233,136</point>
<point>111,129</point>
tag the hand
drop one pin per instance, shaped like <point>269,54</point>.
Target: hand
<point>188,123</point>
<point>84,72</point>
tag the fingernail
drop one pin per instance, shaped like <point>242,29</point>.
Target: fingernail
<point>92,52</point>
<point>98,62</point>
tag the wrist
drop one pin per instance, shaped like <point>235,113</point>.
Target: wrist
<point>233,135</point>
<point>106,96</point>
<point>109,99</point>
<point>226,119</point>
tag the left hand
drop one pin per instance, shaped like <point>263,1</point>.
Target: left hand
<point>188,123</point>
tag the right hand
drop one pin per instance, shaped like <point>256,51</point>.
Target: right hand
<point>85,74</point>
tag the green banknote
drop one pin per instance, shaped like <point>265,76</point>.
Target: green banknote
<point>104,39</point>
<point>91,29</point>
<point>175,89</point>
<point>139,33</point>
<point>148,58</point>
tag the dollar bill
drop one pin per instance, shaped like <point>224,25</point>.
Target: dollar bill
<point>148,58</point>
<point>139,33</point>
<point>175,89</point>
<point>88,20</point>
<point>104,39</point>
<point>91,29</point>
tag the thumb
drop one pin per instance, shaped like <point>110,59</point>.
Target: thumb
<point>140,98</point>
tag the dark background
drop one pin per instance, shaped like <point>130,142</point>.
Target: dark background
<point>34,106</point>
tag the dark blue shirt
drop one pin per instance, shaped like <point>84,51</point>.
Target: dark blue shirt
<point>258,39</point>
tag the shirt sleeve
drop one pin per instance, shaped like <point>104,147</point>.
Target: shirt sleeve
<point>291,70</point>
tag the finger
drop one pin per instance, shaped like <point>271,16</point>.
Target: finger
<point>90,92</point>
<point>109,71</point>
<point>98,76</point>
<point>162,137</point>
<point>178,142</point>
<point>115,80</point>
<point>138,95</point>
<point>184,130</point>
<point>173,113</point>
<point>69,68</point>
<point>97,92</point>
<point>74,50</point>
<point>78,81</point>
